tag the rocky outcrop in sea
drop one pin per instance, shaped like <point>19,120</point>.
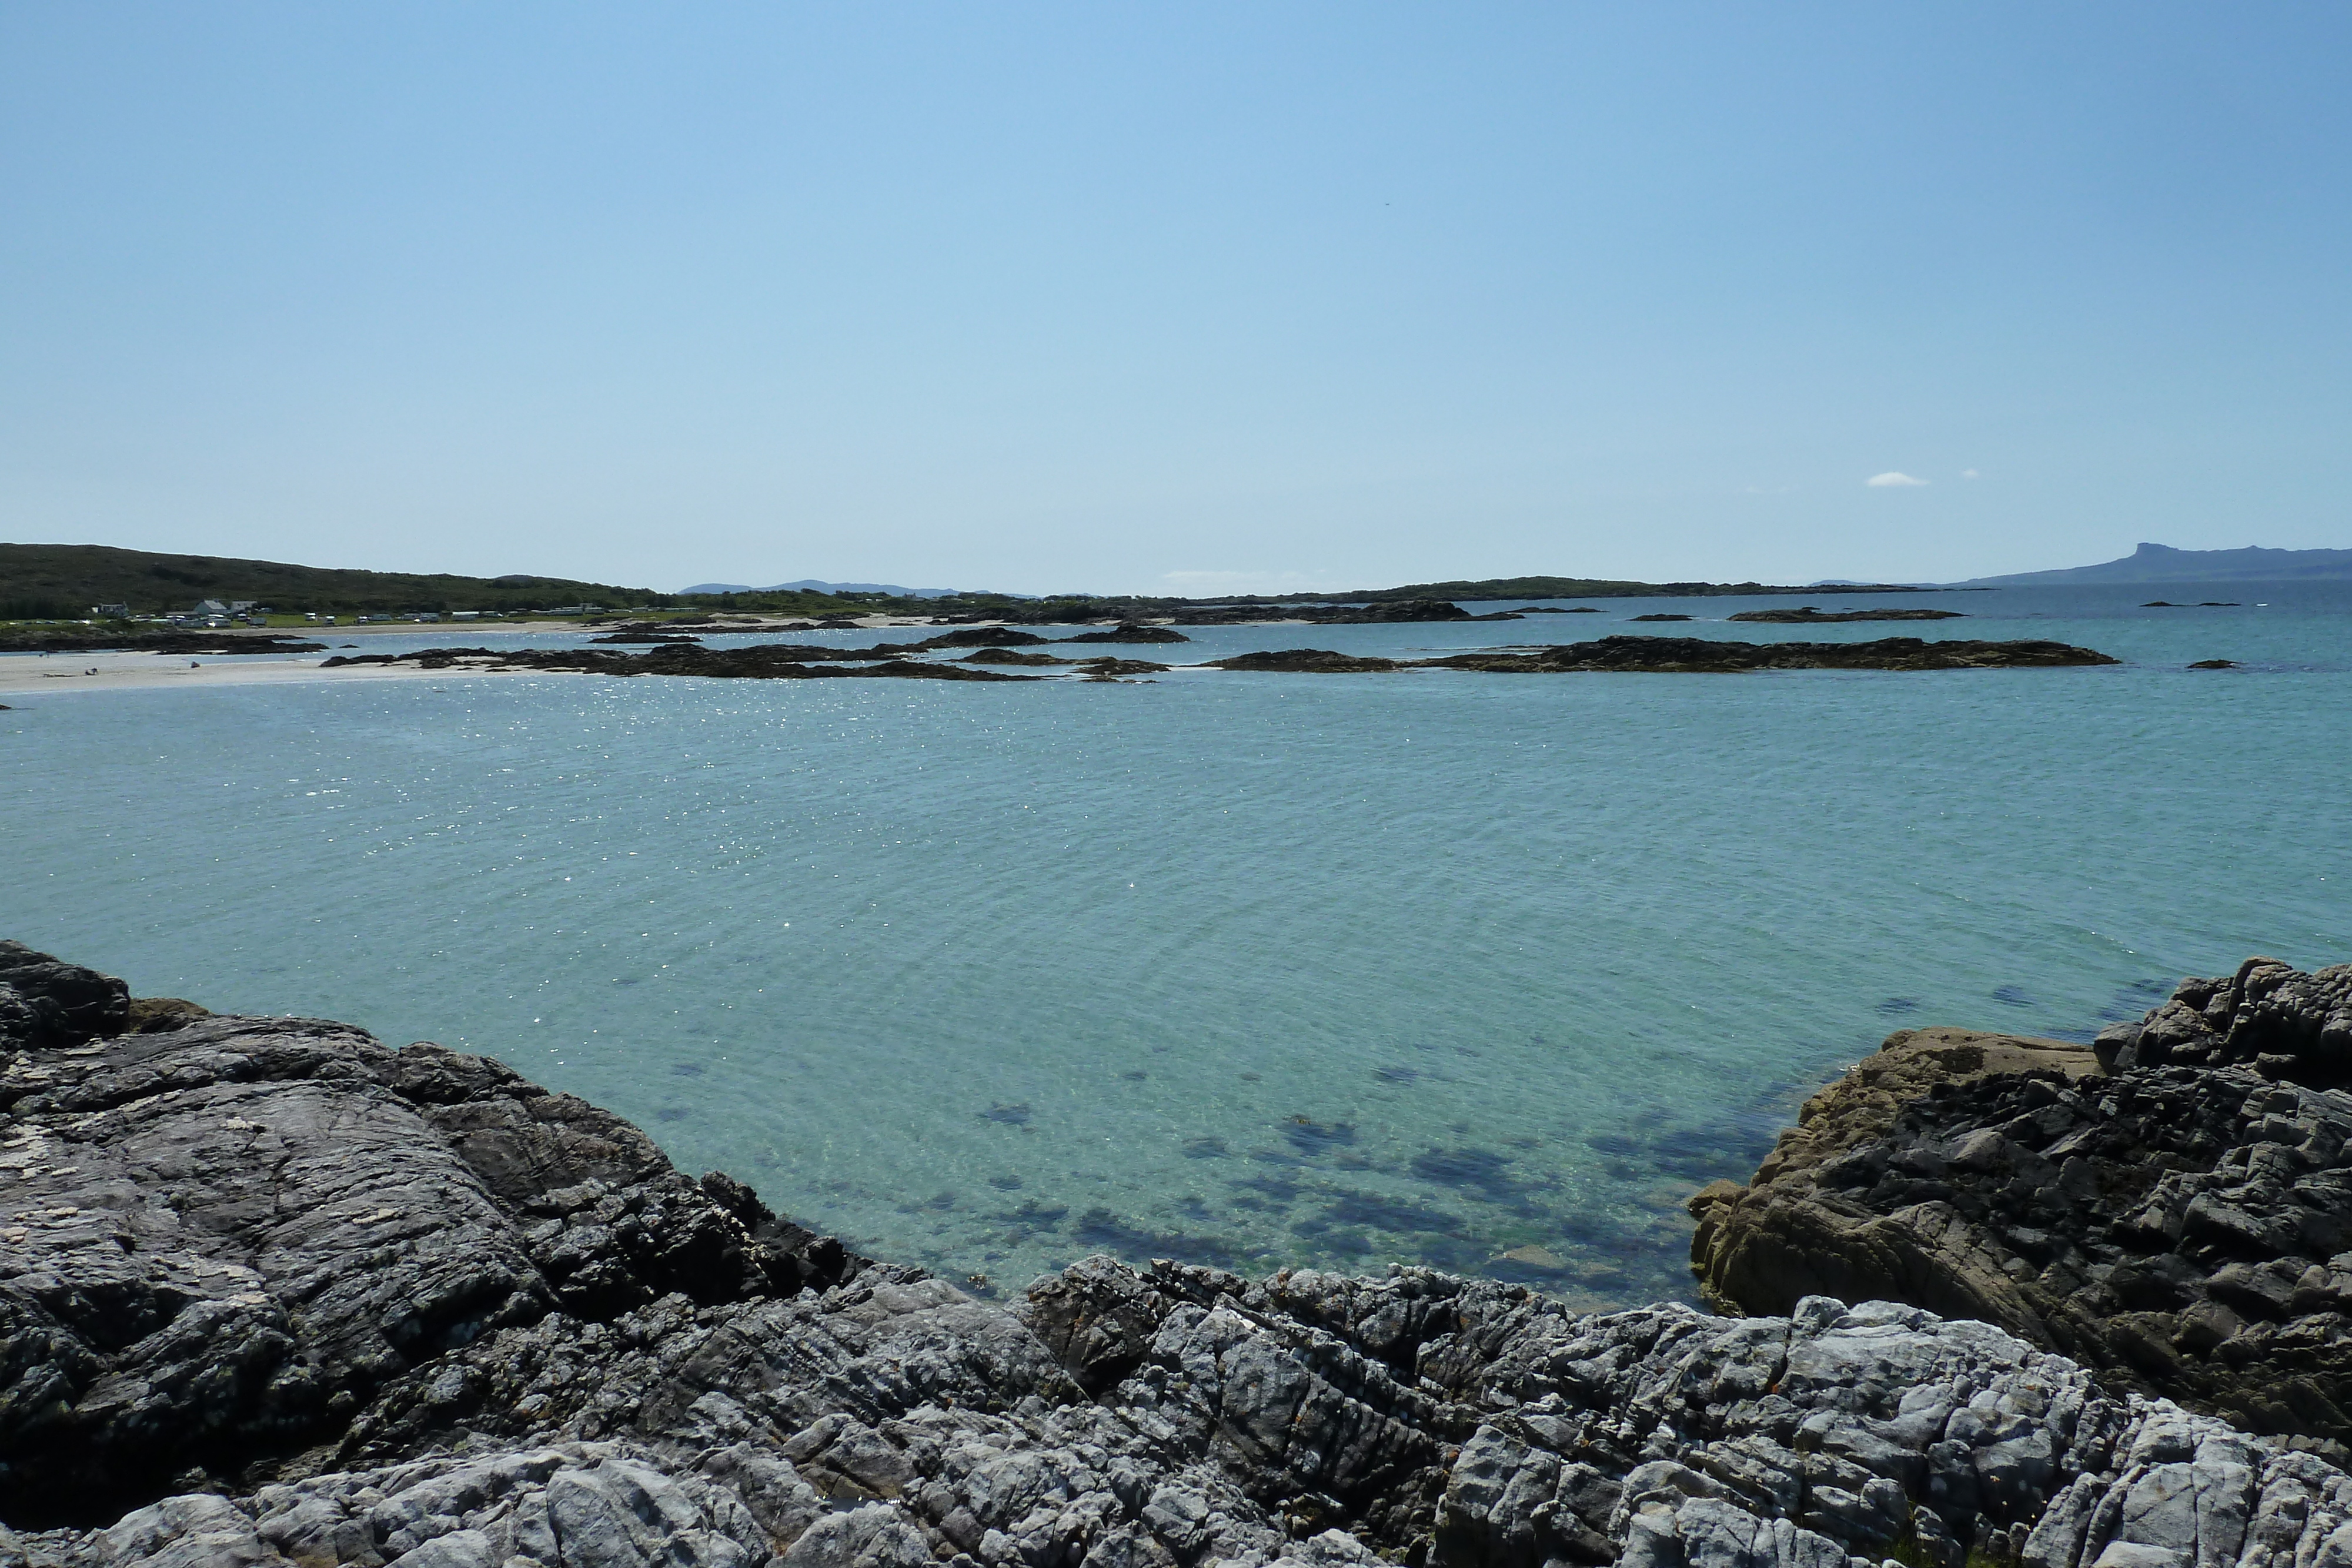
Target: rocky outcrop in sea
<point>275,1293</point>
<point>2172,1207</point>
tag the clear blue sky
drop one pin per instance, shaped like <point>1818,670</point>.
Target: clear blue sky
<point>1124,298</point>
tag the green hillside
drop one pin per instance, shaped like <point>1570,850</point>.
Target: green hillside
<point>65,581</point>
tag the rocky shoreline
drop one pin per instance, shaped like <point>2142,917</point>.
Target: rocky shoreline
<point>2172,1207</point>
<point>275,1293</point>
<point>1622,655</point>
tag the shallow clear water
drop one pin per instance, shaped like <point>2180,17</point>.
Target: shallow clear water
<point>1254,969</point>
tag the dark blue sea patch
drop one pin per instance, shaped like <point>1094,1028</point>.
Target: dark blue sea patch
<point>1893,1006</point>
<point>1005,1183</point>
<point>1279,1189</point>
<point>1011,1115</point>
<point>1312,1137</point>
<point>1206,1149</point>
<point>1350,1209</point>
<point>1105,1231</point>
<point>672,1113</point>
<point>1480,1172</point>
<point>685,1069</point>
<point>2011,996</point>
<point>1033,1218</point>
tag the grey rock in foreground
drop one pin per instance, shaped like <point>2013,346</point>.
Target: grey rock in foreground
<point>218,1242</point>
<point>2183,1224</point>
<point>1273,1423</point>
<point>325,1303</point>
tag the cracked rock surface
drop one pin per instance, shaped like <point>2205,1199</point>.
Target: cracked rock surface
<point>282,1296</point>
<point>2182,1222</point>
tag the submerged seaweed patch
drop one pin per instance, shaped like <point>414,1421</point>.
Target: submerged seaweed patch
<point>1016,1115</point>
<point>1278,1189</point>
<point>1312,1137</point>
<point>1110,1232</point>
<point>1482,1173</point>
<point>1033,1218</point>
<point>1376,1211</point>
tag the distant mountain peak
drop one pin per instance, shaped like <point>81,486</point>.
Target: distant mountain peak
<point>2152,562</point>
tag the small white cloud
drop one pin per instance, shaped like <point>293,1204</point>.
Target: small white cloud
<point>1969,474</point>
<point>1890,480</point>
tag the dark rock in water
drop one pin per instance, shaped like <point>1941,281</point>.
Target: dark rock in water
<point>1383,613</point>
<point>1111,669</point>
<point>1008,656</point>
<point>1131,631</point>
<point>1380,613</point>
<point>301,1299</point>
<point>1710,655</point>
<point>652,637</point>
<point>2162,605</point>
<point>2215,664</point>
<point>761,662</point>
<point>980,636</point>
<point>2171,1206</point>
<point>1304,660</point>
<point>1806,615</point>
<point>1658,617</point>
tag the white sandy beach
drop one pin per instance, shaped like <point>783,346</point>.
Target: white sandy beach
<point>50,674</point>
<point>29,675</point>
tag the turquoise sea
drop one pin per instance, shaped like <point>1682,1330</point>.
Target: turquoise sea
<point>1251,970</point>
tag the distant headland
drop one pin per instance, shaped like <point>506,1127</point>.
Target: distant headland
<point>2162,563</point>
